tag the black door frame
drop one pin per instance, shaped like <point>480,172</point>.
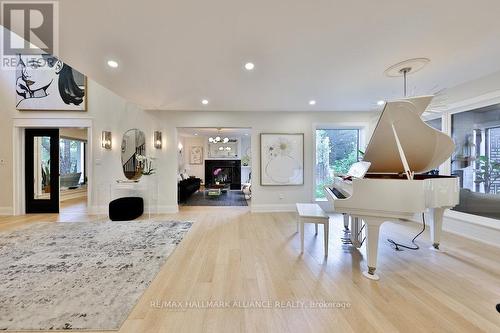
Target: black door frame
<point>41,205</point>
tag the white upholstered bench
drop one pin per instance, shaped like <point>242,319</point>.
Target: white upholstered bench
<point>311,213</point>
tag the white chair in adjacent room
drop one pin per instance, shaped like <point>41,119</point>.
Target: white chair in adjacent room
<point>311,213</point>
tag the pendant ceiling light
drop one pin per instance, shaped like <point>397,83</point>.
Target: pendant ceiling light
<point>408,67</point>
<point>405,68</point>
<point>218,138</point>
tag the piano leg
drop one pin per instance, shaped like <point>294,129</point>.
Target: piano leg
<point>437,227</point>
<point>301,236</point>
<point>372,233</point>
<point>346,221</point>
<point>356,234</point>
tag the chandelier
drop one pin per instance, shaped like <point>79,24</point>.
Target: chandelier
<point>218,139</point>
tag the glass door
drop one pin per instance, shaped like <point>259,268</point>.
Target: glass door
<point>42,170</point>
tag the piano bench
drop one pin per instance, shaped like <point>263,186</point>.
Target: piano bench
<point>311,213</point>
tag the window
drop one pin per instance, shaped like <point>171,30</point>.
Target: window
<point>336,151</point>
<point>72,157</point>
<point>436,123</point>
<point>476,160</point>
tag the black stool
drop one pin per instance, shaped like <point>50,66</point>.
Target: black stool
<point>126,209</point>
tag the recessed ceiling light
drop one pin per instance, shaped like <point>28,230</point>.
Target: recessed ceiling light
<point>112,64</point>
<point>249,66</point>
<point>380,102</point>
<point>246,134</point>
<point>195,133</point>
<point>312,102</point>
<point>204,101</point>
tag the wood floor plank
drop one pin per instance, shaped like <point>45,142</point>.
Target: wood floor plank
<point>238,258</point>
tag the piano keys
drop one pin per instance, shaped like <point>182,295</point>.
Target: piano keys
<point>401,150</point>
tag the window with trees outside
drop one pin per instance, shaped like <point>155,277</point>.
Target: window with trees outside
<point>336,151</point>
<point>72,157</point>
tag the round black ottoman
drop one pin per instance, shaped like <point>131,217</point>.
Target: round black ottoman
<point>126,209</point>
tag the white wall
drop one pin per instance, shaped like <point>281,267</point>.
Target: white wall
<point>110,112</point>
<point>74,133</point>
<point>264,197</point>
<point>245,147</point>
<point>472,89</point>
<point>106,110</point>
<point>197,170</point>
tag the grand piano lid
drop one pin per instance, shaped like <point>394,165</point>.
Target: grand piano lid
<point>422,148</point>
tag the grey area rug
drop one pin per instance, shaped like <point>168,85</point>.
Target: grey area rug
<point>230,198</point>
<point>60,276</point>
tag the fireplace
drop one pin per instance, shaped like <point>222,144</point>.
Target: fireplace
<point>223,172</point>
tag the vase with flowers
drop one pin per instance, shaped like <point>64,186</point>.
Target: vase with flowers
<point>146,165</point>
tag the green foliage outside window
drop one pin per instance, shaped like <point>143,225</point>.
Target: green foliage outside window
<point>488,172</point>
<point>336,151</point>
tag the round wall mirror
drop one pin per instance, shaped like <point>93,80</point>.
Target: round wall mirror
<point>133,145</point>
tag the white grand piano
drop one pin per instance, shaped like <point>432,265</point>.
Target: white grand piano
<point>402,148</point>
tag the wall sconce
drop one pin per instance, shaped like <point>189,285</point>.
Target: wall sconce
<point>157,139</point>
<point>180,147</point>
<point>106,139</point>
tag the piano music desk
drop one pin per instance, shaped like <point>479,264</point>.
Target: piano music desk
<point>312,213</point>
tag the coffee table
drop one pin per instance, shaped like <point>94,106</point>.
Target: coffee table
<point>216,190</point>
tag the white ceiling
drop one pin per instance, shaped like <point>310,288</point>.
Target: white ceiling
<point>173,53</point>
<point>208,131</point>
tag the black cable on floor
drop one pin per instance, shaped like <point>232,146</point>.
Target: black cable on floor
<point>398,246</point>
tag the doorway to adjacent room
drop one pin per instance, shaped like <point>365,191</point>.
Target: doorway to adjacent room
<point>54,170</point>
<point>214,166</point>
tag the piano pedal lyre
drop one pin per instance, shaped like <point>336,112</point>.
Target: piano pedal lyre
<point>346,222</point>
<point>346,240</point>
<point>354,234</point>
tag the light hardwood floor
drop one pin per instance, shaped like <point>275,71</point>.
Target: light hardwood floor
<point>233,255</point>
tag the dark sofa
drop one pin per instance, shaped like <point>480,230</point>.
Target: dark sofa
<point>482,204</point>
<point>186,187</point>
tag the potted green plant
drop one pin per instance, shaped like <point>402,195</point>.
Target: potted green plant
<point>245,160</point>
<point>487,172</point>
<point>146,164</point>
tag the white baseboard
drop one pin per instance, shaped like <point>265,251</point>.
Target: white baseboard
<point>478,228</point>
<point>97,210</point>
<point>474,227</point>
<point>272,208</point>
<point>168,209</point>
<point>6,211</point>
